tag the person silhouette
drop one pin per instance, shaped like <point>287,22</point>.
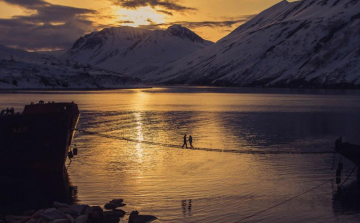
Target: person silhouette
<point>190,141</point>
<point>183,205</point>
<point>185,142</point>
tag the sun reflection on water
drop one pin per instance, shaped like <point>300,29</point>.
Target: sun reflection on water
<point>160,180</point>
<point>140,101</point>
<point>140,136</point>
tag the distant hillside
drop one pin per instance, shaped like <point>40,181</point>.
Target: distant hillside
<point>135,51</point>
<point>308,43</point>
<point>24,70</point>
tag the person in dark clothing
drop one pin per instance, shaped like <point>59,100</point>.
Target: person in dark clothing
<point>190,141</point>
<point>185,142</point>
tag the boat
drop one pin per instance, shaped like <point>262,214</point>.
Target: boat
<point>39,138</point>
<point>34,190</point>
<point>349,151</point>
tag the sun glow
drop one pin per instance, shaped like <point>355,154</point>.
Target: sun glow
<point>140,16</point>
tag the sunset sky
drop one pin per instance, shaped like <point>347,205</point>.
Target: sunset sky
<point>56,24</point>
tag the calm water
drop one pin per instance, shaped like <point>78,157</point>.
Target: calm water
<point>179,185</point>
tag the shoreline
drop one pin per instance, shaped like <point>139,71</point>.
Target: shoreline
<point>78,213</point>
<point>180,89</point>
<point>328,88</point>
<point>49,90</point>
<point>53,199</point>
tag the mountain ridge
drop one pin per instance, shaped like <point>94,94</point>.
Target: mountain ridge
<point>143,52</point>
<point>20,69</point>
<point>307,43</point>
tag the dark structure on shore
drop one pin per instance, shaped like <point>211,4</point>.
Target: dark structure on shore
<point>39,138</point>
<point>349,151</point>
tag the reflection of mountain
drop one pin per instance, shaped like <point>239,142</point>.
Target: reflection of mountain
<point>304,43</point>
<point>135,51</point>
<point>292,130</point>
<point>31,191</point>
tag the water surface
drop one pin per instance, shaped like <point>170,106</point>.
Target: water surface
<point>179,185</point>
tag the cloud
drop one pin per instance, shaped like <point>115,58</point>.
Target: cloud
<point>27,3</point>
<point>165,12</point>
<point>125,21</point>
<point>48,27</point>
<point>51,26</point>
<point>228,23</point>
<point>192,25</point>
<point>166,5</point>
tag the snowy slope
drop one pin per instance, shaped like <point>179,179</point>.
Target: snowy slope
<point>309,43</point>
<point>135,51</point>
<point>95,46</point>
<point>24,70</point>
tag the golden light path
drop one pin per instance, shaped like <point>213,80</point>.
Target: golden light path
<point>141,100</point>
<point>141,16</point>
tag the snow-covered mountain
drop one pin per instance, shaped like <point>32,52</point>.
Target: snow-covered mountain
<point>135,51</point>
<point>308,43</point>
<point>25,70</point>
<point>94,47</point>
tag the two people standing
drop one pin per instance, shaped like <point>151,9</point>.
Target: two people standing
<point>190,141</point>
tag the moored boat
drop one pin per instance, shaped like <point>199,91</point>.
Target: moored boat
<point>39,138</point>
<point>349,151</point>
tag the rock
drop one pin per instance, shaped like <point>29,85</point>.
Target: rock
<point>16,219</point>
<point>60,205</point>
<point>111,217</point>
<point>52,214</point>
<point>68,211</point>
<point>64,220</point>
<point>40,220</point>
<point>87,210</point>
<point>32,220</point>
<point>113,205</point>
<point>29,212</point>
<point>117,202</point>
<point>81,219</point>
<point>97,209</point>
<point>37,214</point>
<point>115,213</point>
<point>136,218</point>
<point>79,208</point>
<point>96,217</point>
<point>71,219</point>
<point>109,206</point>
<point>119,212</point>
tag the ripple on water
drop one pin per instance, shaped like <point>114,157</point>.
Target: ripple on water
<point>201,186</point>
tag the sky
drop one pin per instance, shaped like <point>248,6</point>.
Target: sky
<point>56,24</point>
